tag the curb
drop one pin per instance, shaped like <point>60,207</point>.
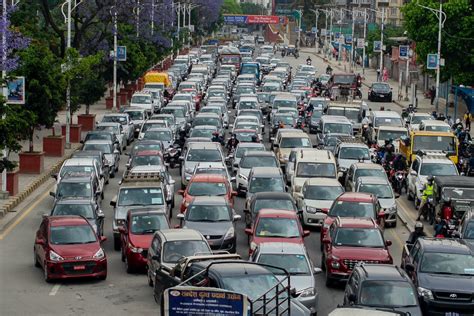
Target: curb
<point>20,197</point>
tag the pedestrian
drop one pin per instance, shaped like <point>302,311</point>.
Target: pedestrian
<point>467,120</point>
<point>378,74</point>
<point>385,74</point>
<point>432,94</point>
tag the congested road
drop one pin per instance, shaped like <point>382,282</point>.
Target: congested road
<point>126,293</point>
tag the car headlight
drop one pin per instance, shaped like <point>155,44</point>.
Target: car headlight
<point>243,177</point>
<point>342,169</point>
<point>134,249</point>
<point>230,233</point>
<point>188,170</point>
<point>425,293</point>
<point>99,254</point>
<point>307,292</point>
<point>120,222</point>
<point>54,256</point>
<point>392,209</point>
<point>311,210</point>
<point>253,246</point>
<point>335,263</point>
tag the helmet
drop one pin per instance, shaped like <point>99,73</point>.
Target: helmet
<point>430,178</point>
<point>419,227</point>
<point>458,121</point>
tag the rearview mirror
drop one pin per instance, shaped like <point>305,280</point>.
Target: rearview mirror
<point>410,267</point>
<point>352,297</point>
<point>52,193</point>
<point>237,217</point>
<point>388,243</point>
<point>103,239</point>
<point>39,241</point>
<point>249,231</point>
<point>180,192</point>
<point>180,216</point>
<point>306,233</point>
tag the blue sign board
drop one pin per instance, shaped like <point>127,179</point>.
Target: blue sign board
<point>121,53</point>
<point>403,51</point>
<point>377,46</point>
<point>188,300</point>
<point>235,19</point>
<point>348,39</point>
<point>314,30</point>
<point>432,61</point>
<point>336,35</point>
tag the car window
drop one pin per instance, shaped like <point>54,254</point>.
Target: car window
<point>148,223</point>
<point>352,209</point>
<point>70,235</point>
<point>175,250</point>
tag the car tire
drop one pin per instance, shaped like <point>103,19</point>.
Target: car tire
<point>128,268</point>
<point>394,224</point>
<point>329,281</point>
<point>323,263</point>
<point>117,244</point>
<point>45,273</point>
<point>35,260</point>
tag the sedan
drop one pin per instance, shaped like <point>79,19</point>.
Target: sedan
<point>380,91</point>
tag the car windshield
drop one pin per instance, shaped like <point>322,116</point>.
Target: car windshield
<point>246,105</point>
<point>469,231</point>
<point>320,192</point>
<point>114,119</point>
<point>140,196</point>
<point>175,250</point>
<point>142,224</point>
<point>256,161</point>
<point>76,169</point>
<point>214,121</point>
<point>439,169</point>
<point>114,129</point>
<point>337,128</point>
<point>352,209</point>
<point>359,237</point>
<point>245,137</point>
<point>146,146</point>
<point>382,191</point>
<point>394,135</point>
<point>277,227</point>
<point>269,88</point>
<point>387,294</point>
<point>388,121</point>
<point>241,150</point>
<point>98,136</point>
<point>204,155</point>
<point>135,115</point>
<point>158,135</point>
<point>141,99</point>
<point>85,210</point>
<point>379,173</point>
<point>70,235</point>
<point>266,185</point>
<point>292,263</point>
<point>211,110</point>
<point>354,153</point>
<point>448,263</point>
<point>351,114</point>
<point>437,128</point>
<point>285,119</point>
<point>208,213</point>
<point>201,132</point>
<point>344,79</point>
<point>207,188</point>
<point>252,285</point>
<point>294,142</point>
<point>284,104</point>
<point>314,169</point>
<point>245,90</point>
<point>74,189</point>
<point>416,119</point>
<point>147,160</point>
<point>105,148</point>
<point>382,87</point>
<point>148,126</point>
<point>175,112</point>
<point>276,204</point>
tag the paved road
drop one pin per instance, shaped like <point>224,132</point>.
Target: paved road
<point>24,292</point>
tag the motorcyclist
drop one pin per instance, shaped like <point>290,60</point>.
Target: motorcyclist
<point>440,228</point>
<point>359,80</point>
<point>456,124</point>
<point>328,70</point>
<point>216,137</point>
<point>388,151</point>
<point>308,60</point>
<point>232,143</point>
<point>310,108</point>
<point>254,139</point>
<point>281,124</point>
<point>400,163</point>
<point>417,233</point>
<point>428,191</point>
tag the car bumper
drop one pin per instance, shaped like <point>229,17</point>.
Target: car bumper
<point>316,219</point>
<point>77,269</point>
<point>223,244</point>
<point>137,260</point>
<point>391,218</point>
<point>443,308</point>
<point>338,275</point>
<point>311,302</point>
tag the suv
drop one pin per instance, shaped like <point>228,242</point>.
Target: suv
<point>350,241</point>
<point>466,226</point>
<point>442,270</point>
<point>348,151</point>
<point>251,160</point>
<point>137,190</point>
<point>125,121</point>
<point>384,286</point>
<point>312,163</point>
<point>360,169</point>
<point>83,185</point>
<point>427,165</point>
<point>273,200</point>
<point>197,153</point>
<point>264,179</point>
<point>288,141</point>
<point>358,205</point>
<point>111,153</point>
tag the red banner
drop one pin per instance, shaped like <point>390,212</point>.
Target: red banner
<point>265,19</point>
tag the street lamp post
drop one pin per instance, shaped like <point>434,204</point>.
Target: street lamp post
<point>115,56</point>
<point>381,42</point>
<point>330,34</point>
<point>300,14</point>
<point>316,42</point>
<point>441,19</point>
<point>365,36</point>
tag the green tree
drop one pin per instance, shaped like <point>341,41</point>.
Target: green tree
<point>374,35</point>
<point>231,7</point>
<point>457,37</point>
<point>252,8</point>
<point>45,86</point>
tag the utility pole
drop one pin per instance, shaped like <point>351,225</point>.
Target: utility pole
<point>4,86</point>
<point>300,13</point>
<point>316,42</point>
<point>330,34</point>
<point>152,17</point>
<point>352,42</point>
<point>381,43</point>
<point>326,27</point>
<point>339,55</point>
<point>365,35</point>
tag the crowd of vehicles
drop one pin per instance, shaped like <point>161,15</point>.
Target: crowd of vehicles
<point>183,119</point>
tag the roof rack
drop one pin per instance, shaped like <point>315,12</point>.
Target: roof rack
<point>141,176</point>
<point>350,139</point>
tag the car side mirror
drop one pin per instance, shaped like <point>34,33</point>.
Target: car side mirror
<point>410,267</point>
<point>388,243</point>
<point>397,195</point>
<point>352,298</point>
<point>180,192</point>
<point>381,214</point>
<point>236,218</point>
<point>54,176</point>
<point>180,216</point>
<point>103,239</point>
<point>122,230</point>
<point>233,193</point>
<point>413,173</point>
<point>116,152</point>
<point>306,233</point>
<point>326,240</point>
<point>113,203</point>
<point>248,231</point>
<point>100,214</point>
<point>53,194</point>
<point>317,270</point>
<point>155,257</point>
<point>39,241</point>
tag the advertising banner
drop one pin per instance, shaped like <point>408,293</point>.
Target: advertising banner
<point>235,19</point>
<point>432,61</point>
<point>255,19</point>
<point>16,90</point>
<point>377,46</point>
<point>403,51</point>
<point>189,300</point>
<point>121,53</point>
<point>360,43</point>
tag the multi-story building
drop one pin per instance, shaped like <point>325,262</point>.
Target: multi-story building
<point>393,14</point>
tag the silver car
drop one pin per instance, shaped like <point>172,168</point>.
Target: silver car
<point>295,260</point>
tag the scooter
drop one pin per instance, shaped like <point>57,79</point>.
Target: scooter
<point>429,210</point>
<point>399,181</point>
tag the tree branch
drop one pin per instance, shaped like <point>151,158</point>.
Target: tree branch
<point>49,20</point>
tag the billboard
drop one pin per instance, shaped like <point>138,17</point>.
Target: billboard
<point>16,90</point>
<point>403,51</point>
<point>189,300</point>
<point>255,19</point>
<point>377,46</point>
<point>432,61</point>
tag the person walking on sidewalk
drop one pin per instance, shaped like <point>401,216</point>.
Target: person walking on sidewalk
<point>378,74</point>
<point>467,120</point>
<point>385,74</point>
<point>432,94</point>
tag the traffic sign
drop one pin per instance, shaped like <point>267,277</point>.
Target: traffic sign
<point>360,43</point>
<point>121,53</point>
<point>403,51</point>
<point>377,46</point>
<point>314,30</point>
<point>323,32</point>
<point>432,61</point>
<point>348,39</point>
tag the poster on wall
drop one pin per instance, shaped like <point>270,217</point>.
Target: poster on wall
<point>16,90</point>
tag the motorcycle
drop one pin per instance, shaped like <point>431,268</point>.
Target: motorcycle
<point>308,62</point>
<point>329,71</point>
<point>358,93</point>
<point>172,155</point>
<point>428,211</point>
<point>399,181</point>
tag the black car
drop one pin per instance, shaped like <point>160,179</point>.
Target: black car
<point>466,227</point>
<point>380,91</point>
<point>273,200</point>
<point>383,286</point>
<point>75,185</point>
<point>442,270</point>
<point>82,207</point>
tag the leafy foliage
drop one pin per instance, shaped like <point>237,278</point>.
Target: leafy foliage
<point>231,7</point>
<point>374,35</point>
<point>252,8</point>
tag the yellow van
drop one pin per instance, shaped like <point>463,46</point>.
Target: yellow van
<point>429,142</point>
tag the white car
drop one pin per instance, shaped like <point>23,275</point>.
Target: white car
<point>142,100</point>
<point>115,128</point>
<point>125,121</point>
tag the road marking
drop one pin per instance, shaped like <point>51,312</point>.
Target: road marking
<point>54,290</point>
<point>22,216</point>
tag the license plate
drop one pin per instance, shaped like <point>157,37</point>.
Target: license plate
<point>452,314</point>
<point>81,267</point>
<point>381,95</point>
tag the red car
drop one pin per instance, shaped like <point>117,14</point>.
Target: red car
<point>275,226</point>
<point>350,241</point>
<point>68,247</point>
<point>207,185</point>
<point>136,236</point>
<point>353,204</point>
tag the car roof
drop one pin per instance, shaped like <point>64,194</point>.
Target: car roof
<point>237,268</point>
<point>265,171</point>
<point>269,212</point>
<point>384,272</point>
<point>203,145</point>
<point>273,196</point>
<point>434,122</point>
<point>208,177</point>
<point>180,234</point>
<point>435,157</point>
<point>282,248</point>
<point>83,161</point>
<point>363,165</point>
<point>259,154</point>
<point>151,211</point>
<point>335,118</point>
<point>74,200</point>
<point>209,200</point>
<point>315,155</point>
<point>355,197</point>
<point>356,222</point>
<point>372,180</point>
<point>99,141</point>
<point>385,114</point>
<point>330,182</point>
<point>67,220</point>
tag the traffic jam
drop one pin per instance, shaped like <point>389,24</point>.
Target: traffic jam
<point>240,164</point>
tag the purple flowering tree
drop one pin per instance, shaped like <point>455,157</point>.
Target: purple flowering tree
<point>14,41</point>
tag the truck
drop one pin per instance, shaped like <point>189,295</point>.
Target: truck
<point>230,56</point>
<point>429,142</point>
<point>251,68</point>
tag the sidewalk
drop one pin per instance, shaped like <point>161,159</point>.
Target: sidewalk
<point>28,183</point>
<point>371,76</point>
